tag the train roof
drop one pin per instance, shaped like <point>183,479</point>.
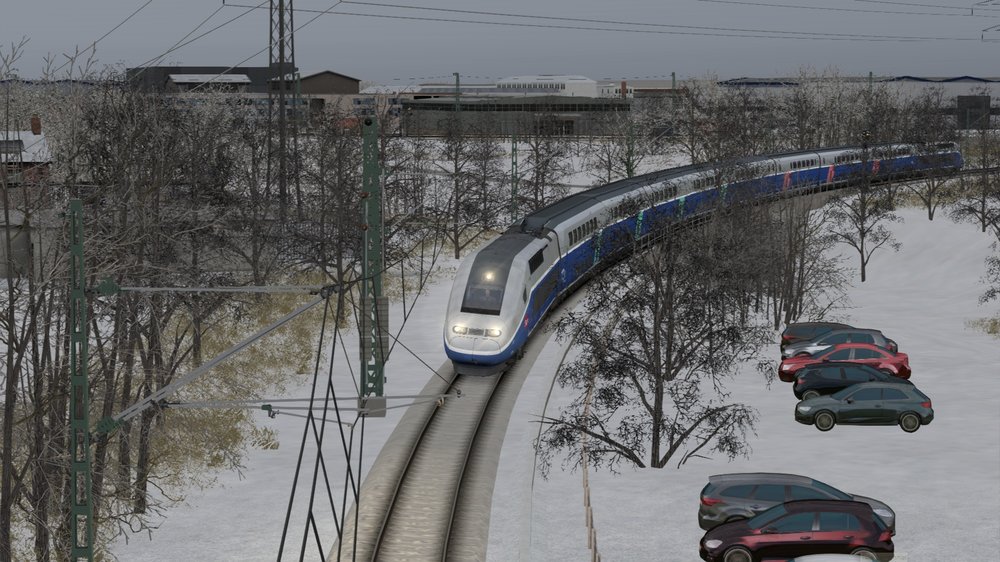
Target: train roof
<point>507,245</point>
<point>552,215</point>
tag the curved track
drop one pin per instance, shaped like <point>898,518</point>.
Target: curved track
<point>429,494</point>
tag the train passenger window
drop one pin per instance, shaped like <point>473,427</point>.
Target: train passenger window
<point>535,261</point>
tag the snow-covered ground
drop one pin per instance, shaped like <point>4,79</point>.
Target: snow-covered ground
<point>943,481</point>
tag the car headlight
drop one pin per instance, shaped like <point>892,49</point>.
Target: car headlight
<point>883,512</point>
<point>493,332</point>
<point>805,408</point>
<point>785,367</point>
<point>713,543</point>
<point>460,329</point>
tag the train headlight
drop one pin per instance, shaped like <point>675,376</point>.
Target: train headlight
<point>460,329</point>
<point>488,276</point>
<point>493,332</point>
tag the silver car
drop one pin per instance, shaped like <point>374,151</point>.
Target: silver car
<point>830,339</point>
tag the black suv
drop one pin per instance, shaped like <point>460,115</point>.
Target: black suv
<point>827,378</point>
<point>799,331</point>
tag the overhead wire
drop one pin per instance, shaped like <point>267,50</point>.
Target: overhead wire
<point>102,37</point>
<point>942,6</point>
<point>833,9</point>
<point>706,31</point>
<point>326,11</point>
<point>179,44</point>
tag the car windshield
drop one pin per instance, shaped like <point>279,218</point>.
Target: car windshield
<point>766,517</point>
<point>830,490</point>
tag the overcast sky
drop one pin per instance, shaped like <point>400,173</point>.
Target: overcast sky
<point>709,37</point>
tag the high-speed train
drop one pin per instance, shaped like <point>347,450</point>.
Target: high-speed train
<point>503,291</point>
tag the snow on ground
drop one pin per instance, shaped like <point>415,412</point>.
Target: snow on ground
<point>242,517</point>
<point>943,481</point>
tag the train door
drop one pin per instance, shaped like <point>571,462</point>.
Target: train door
<point>597,241</point>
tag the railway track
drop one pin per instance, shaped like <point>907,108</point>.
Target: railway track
<point>429,493</point>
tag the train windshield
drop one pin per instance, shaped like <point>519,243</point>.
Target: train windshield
<point>484,292</point>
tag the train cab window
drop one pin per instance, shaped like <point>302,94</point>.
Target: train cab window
<point>485,288</point>
<point>535,261</point>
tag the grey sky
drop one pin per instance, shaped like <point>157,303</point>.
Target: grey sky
<point>396,51</point>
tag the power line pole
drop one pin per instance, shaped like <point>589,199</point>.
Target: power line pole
<point>374,316</point>
<point>282,75</point>
<point>81,506</point>
<point>513,174</point>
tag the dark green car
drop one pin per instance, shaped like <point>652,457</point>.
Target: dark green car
<point>870,403</point>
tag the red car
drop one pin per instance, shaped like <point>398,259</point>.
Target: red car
<point>799,528</point>
<point>897,364</point>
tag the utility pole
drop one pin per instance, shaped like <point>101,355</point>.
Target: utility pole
<point>81,506</point>
<point>374,316</point>
<point>458,106</point>
<point>282,75</point>
<point>513,174</point>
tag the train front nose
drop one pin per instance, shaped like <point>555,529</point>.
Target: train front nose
<point>475,346</point>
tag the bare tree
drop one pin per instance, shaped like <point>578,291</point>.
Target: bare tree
<point>624,144</point>
<point>468,200</point>
<point>674,313</point>
<point>545,163</point>
<point>717,123</point>
<point>859,216</point>
<point>979,202</point>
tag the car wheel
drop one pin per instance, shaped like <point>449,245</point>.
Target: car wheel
<point>865,553</point>
<point>737,554</point>
<point>809,394</point>
<point>910,422</point>
<point>824,421</point>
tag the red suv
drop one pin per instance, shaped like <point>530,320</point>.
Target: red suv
<point>798,528</point>
<point>897,364</point>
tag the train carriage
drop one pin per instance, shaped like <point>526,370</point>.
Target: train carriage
<point>504,290</point>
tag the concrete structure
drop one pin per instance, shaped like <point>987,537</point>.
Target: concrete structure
<point>250,85</point>
<point>171,79</point>
<point>557,115</point>
<point>973,97</point>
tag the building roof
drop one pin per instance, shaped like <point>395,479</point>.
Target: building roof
<point>24,146</point>
<point>380,89</point>
<point>540,78</point>
<point>303,77</point>
<point>202,78</point>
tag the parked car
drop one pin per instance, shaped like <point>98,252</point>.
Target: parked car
<point>832,558</point>
<point>729,497</point>
<point>864,353</point>
<point>869,403</point>
<point>833,376</point>
<point>798,528</point>
<point>832,338</point>
<point>803,331</point>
